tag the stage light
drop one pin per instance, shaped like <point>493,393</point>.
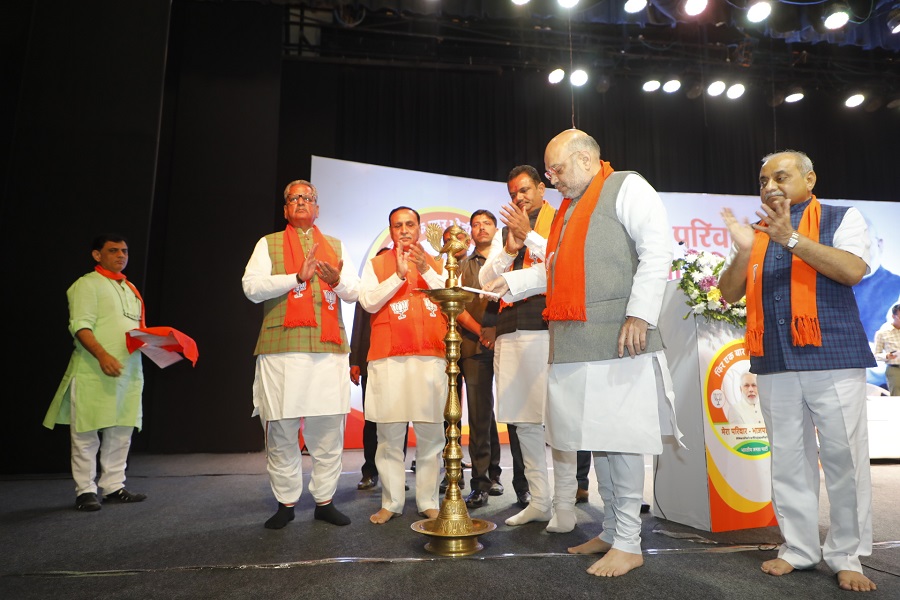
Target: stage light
<point>836,15</point>
<point>873,103</point>
<point>894,102</point>
<point>520,2</point>
<point>567,3</point>
<point>854,100</point>
<point>635,6</point>
<point>603,83</point>
<point>735,91</point>
<point>776,98</point>
<point>578,77</point>
<point>694,90</point>
<point>716,88</point>
<point>893,21</point>
<point>672,85</point>
<point>692,8</point>
<point>651,85</point>
<point>794,94</point>
<point>556,75</point>
<point>759,11</point>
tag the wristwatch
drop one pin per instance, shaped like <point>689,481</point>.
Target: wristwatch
<point>795,237</point>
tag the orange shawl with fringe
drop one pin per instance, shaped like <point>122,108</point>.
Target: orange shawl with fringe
<point>805,329</point>
<point>417,325</point>
<point>300,311</point>
<point>565,289</point>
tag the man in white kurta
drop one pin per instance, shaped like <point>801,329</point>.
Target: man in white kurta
<point>523,341</point>
<point>618,407</point>
<point>301,370</point>
<point>405,384</point>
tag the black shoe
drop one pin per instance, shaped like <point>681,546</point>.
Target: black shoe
<point>496,488</point>
<point>367,482</point>
<point>412,467</point>
<point>581,496</point>
<point>87,502</point>
<point>523,499</point>
<point>124,496</point>
<point>465,465</point>
<point>645,508</point>
<point>477,499</point>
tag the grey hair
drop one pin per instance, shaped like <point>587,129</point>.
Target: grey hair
<point>804,163</point>
<point>584,143</point>
<point>287,188</point>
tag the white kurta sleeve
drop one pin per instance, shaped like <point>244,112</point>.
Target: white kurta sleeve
<point>526,282</point>
<point>258,281</point>
<point>348,288</point>
<point>852,235</point>
<point>373,295</point>
<point>497,261</point>
<point>643,214</point>
<point>537,244</point>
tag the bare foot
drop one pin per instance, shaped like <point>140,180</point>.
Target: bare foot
<point>777,567</point>
<point>592,546</point>
<point>430,513</point>
<point>616,563</point>
<point>383,516</point>
<point>855,582</point>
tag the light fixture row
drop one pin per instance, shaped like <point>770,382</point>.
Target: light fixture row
<point>835,16</point>
<point>717,87</point>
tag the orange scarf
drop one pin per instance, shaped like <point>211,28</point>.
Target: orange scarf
<point>565,289</point>
<point>542,228</point>
<point>805,329</point>
<point>413,329</point>
<point>120,277</point>
<point>300,309</point>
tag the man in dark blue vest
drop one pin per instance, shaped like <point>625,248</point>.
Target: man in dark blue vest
<point>797,266</point>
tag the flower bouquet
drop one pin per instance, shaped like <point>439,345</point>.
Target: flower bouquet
<point>700,280</point>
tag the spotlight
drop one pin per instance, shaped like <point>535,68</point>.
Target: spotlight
<point>776,98</point>
<point>651,85</point>
<point>893,21</point>
<point>672,85</point>
<point>794,94</point>
<point>694,90</point>
<point>692,8</point>
<point>836,15</point>
<point>578,77</point>
<point>567,3</point>
<point>873,103</point>
<point>603,83</point>
<point>716,88</point>
<point>759,11</point>
<point>894,102</point>
<point>635,6</point>
<point>520,2</point>
<point>854,100</point>
<point>735,91</point>
<point>556,75</point>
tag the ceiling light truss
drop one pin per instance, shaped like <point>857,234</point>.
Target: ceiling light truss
<point>623,53</point>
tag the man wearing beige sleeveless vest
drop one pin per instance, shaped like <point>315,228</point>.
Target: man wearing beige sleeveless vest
<point>609,390</point>
<point>302,275</point>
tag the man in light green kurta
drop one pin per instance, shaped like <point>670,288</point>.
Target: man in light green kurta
<point>101,390</point>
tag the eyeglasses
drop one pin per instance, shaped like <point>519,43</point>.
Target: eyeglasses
<point>299,197</point>
<point>557,169</point>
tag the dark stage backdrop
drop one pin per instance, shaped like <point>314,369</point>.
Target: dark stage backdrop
<point>178,124</point>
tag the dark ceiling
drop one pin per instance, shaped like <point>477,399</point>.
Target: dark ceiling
<point>791,47</point>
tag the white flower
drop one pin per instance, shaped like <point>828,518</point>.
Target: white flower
<point>698,309</point>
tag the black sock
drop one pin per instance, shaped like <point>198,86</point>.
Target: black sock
<point>328,513</point>
<point>284,516</point>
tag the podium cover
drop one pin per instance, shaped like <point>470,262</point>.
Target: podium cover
<point>722,480</point>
